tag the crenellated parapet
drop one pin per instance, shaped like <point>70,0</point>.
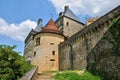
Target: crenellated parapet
<point>91,20</point>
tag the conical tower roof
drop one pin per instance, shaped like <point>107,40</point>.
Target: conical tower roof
<point>51,27</point>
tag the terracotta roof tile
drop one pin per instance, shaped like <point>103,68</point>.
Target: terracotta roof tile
<point>51,27</point>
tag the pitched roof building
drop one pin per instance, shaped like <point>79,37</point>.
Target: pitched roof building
<point>68,23</point>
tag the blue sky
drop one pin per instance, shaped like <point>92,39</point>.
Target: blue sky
<point>18,17</point>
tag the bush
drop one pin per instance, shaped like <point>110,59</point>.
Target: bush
<point>12,65</point>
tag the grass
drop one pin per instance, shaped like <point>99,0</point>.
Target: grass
<point>75,75</point>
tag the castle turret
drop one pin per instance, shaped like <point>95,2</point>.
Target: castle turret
<point>46,42</point>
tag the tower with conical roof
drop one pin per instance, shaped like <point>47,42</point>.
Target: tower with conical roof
<point>68,23</point>
<point>45,52</point>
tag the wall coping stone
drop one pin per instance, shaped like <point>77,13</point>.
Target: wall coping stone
<point>29,75</point>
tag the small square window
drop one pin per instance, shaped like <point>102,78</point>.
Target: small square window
<point>51,43</point>
<point>53,52</point>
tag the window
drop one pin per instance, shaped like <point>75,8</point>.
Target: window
<point>34,54</point>
<point>53,52</point>
<point>67,23</point>
<point>38,41</point>
<point>51,43</point>
<point>52,59</point>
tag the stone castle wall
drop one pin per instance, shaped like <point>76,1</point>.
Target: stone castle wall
<point>28,52</point>
<point>74,50</point>
<point>104,59</point>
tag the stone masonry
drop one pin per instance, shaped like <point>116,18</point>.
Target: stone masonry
<point>73,51</point>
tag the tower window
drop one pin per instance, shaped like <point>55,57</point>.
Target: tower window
<point>67,23</point>
<point>52,59</point>
<point>51,43</point>
<point>38,41</point>
<point>34,54</point>
<point>53,52</point>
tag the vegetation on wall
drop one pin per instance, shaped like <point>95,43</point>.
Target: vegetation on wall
<point>12,65</point>
<point>104,60</point>
<point>115,40</point>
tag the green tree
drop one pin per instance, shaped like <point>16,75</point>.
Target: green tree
<point>12,65</point>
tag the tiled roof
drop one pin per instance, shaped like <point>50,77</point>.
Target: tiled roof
<point>51,27</point>
<point>70,14</point>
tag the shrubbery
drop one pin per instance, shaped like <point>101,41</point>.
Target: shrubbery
<point>12,65</point>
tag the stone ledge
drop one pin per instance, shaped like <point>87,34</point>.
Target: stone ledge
<point>29,75</point>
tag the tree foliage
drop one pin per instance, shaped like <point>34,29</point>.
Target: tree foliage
<point>12,65</point>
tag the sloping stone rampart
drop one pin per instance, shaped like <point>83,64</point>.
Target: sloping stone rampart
<point>74,50</point>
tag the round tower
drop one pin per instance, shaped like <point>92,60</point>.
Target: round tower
<point>46,43</point>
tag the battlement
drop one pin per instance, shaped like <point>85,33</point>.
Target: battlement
<point>91,20</point>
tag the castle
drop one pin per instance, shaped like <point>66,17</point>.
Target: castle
<point>65,43</point>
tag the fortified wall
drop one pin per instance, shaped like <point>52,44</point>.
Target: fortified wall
<point>73,52</point>
<point>104,59</point>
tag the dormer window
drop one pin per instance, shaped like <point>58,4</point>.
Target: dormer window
<point>38,41</point>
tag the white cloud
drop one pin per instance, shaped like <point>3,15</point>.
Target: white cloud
<point>86,7</point>
<point>16,31</point>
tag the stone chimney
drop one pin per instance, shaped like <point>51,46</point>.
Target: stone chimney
<point>66,8</point>
<point>39,21</point>
<point>39,25</point>
<point>60,14</point>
